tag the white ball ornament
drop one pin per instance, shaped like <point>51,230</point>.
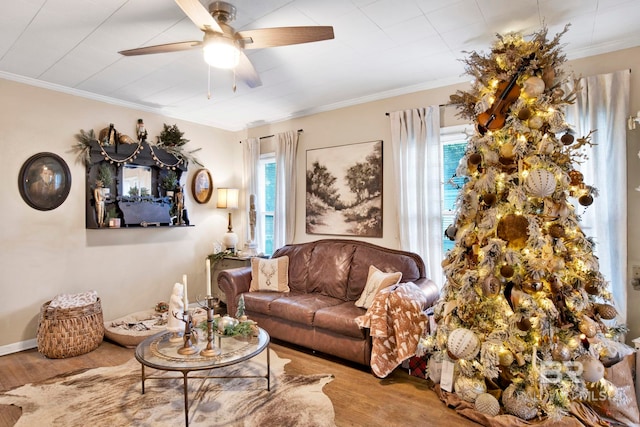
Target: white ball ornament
<point>592,369</point>
<point>487,404</point>
<point>519,403</point>
<point>540,183</point>
<point>468,388</point>
<point>463,344</point>
<point>533,87</point>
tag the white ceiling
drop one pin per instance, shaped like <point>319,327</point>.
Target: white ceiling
<point>381,48</point>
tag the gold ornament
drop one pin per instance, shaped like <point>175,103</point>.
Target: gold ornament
<point>588,327</point>
<point>561,352</point>
<point>505,357</point>
<point>606,311</point>
<point>556,231</point>
<point>489,199</point>
<point>506,151</point>
<point>487,404</point>
<point>535,122</point>
<point>576,177</point>
<point>475,159</point>
<point>514,229</point>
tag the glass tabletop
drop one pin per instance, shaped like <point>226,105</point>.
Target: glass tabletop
<point>159,352</point>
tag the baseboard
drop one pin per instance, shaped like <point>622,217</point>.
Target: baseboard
<point>18,346</point>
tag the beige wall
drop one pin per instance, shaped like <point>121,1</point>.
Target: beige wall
<point>46,253</point>
<point>51,252</point>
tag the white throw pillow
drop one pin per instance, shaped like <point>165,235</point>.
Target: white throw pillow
<point>270,274</point>
<point>376,280</point>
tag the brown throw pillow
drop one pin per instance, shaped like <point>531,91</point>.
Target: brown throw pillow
<point>271,275</point>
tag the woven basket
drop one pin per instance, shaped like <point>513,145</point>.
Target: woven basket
<point>68,332</point>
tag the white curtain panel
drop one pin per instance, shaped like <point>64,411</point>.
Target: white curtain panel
<point>251,159</point>
<point>284,221</point>
<point>417,159</point>
<point>603,104</point>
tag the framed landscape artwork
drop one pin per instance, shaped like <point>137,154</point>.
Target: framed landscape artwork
<point>344,190</point>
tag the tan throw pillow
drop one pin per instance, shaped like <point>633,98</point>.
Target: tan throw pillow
<point>376,280</point>
<point>270,274</point>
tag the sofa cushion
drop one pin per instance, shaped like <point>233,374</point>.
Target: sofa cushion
<point>329,267</point>
<point>300,308</point>
<point>271,275</point>
<point>376,281</point>
<point>341,319</point>
<point>260,302</point>
<point>299,256</point>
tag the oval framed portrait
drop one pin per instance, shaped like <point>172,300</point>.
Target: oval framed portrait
<point>202,186</point>
<point>44,181</point>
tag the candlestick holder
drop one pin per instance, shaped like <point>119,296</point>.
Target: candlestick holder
<point>188,347</point>
<point>210,350</point>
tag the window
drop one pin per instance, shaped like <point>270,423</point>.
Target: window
<point>267,189</point>
<point>454,143</point>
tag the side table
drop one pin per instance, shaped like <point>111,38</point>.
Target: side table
<point>225,264</point>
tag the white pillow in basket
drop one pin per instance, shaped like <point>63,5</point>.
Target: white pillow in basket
<point>376,280</point>
<point>270,274</point>
<point>74,300</point>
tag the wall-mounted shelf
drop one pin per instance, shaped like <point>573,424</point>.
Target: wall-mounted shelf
<point>136,195</point>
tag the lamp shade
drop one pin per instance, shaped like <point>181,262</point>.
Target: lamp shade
<point>227,198</point>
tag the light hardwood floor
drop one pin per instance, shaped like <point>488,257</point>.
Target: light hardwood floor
<point>359,398</point>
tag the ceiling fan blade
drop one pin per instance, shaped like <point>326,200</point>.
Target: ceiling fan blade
<point>283,36</point>
<point>162,48</point>
<point>199,15</point>
<point>245,72</point>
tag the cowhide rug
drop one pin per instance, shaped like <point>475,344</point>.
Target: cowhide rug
<point>112,397</point>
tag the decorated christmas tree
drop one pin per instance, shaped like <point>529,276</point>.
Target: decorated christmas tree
<point>523,324</point>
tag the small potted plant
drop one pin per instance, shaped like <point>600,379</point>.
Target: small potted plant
<point>170,183</point>
<point>106,177</point>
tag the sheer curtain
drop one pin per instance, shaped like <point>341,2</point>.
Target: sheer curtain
<point>251,159</point>
<point>284,221</point>
<point>417,154</point>
<point>603,105</point>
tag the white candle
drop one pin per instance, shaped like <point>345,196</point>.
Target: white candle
<point>186,299</point>
<point>208,266</point>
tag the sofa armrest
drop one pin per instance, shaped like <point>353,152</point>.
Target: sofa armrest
<point>234,282</point>
<point>430,289</point>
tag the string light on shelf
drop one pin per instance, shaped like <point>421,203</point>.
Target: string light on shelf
<point>162,164</point>
<point>107,157</point>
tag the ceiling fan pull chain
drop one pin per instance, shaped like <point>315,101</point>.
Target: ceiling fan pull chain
<point>209,83</point>
<point>234,81</point>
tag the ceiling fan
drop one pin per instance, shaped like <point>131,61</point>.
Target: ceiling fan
<point>224,47</point>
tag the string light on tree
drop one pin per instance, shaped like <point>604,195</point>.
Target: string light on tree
<point>522,283</point>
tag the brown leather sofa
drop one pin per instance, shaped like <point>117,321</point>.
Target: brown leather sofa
<point>326,277</point>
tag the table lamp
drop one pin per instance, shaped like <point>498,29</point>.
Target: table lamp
<point>228,199</point>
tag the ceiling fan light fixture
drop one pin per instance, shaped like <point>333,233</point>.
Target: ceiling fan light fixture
<point>221,52</point>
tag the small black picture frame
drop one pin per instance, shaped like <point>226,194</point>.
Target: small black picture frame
<point>202,186</point>
<point>44,181</point>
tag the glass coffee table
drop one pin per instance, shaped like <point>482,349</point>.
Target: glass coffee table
<point>161,353</point>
